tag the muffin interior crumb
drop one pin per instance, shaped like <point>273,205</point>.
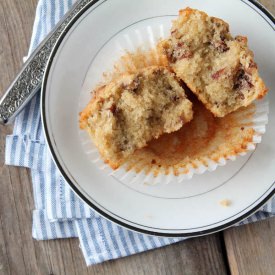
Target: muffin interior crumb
<point>135,109</point>
<point>217,67</point>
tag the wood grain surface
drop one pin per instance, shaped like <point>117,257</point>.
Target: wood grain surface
<point>249,249</point>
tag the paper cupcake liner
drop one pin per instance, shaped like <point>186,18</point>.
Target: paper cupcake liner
<point>167,159</point>
<point>131,62</point>
<point>199,146</point>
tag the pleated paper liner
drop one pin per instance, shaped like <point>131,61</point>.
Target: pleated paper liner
<point>199,146</point>
<point>131,62</point>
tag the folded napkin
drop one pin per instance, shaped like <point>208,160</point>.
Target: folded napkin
<point>59,213</point>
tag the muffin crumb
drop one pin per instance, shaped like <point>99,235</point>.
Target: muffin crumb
<point>225,203</point>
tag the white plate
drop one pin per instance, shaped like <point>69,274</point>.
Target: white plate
<point>89,46</point>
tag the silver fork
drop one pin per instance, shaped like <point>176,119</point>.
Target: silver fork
<point>29,80</point>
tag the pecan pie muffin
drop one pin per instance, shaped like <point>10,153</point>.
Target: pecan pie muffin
<point>217,67</point>
<point>126,114</point>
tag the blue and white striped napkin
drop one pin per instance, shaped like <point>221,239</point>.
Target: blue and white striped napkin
<point>59,213</point>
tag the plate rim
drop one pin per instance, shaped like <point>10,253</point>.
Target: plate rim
<point>75,188</point>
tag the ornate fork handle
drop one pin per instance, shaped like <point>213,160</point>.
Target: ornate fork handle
<point>29,80</point>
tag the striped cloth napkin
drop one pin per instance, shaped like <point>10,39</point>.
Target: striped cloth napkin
<point>59,213</point>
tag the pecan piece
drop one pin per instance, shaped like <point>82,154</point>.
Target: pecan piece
<point>240,95</point>
<point>218,73</point>
<point>113,109</point>
<point>179,52</point>
<point>252,65</point>
<point>242,80</point>
<point>220,46</point>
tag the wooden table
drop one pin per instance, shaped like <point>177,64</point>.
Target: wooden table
<point>249,249</point>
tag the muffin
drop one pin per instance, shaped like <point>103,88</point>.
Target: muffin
<point>217,67</point>
<point>127,113</point>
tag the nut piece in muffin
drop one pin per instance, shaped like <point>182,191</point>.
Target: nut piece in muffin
<point>126,114</point>
<point>217,67</point>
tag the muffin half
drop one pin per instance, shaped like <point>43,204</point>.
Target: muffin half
<point>126,114</point>
<point>217,67</point>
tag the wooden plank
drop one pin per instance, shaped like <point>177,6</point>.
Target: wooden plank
<point>195,256</point>
<point>17,248</point>
<point>250,248</point>
<point>4,259</point>
<point>14,261</point>
<point>269,4</point>
<point>10,226</point>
